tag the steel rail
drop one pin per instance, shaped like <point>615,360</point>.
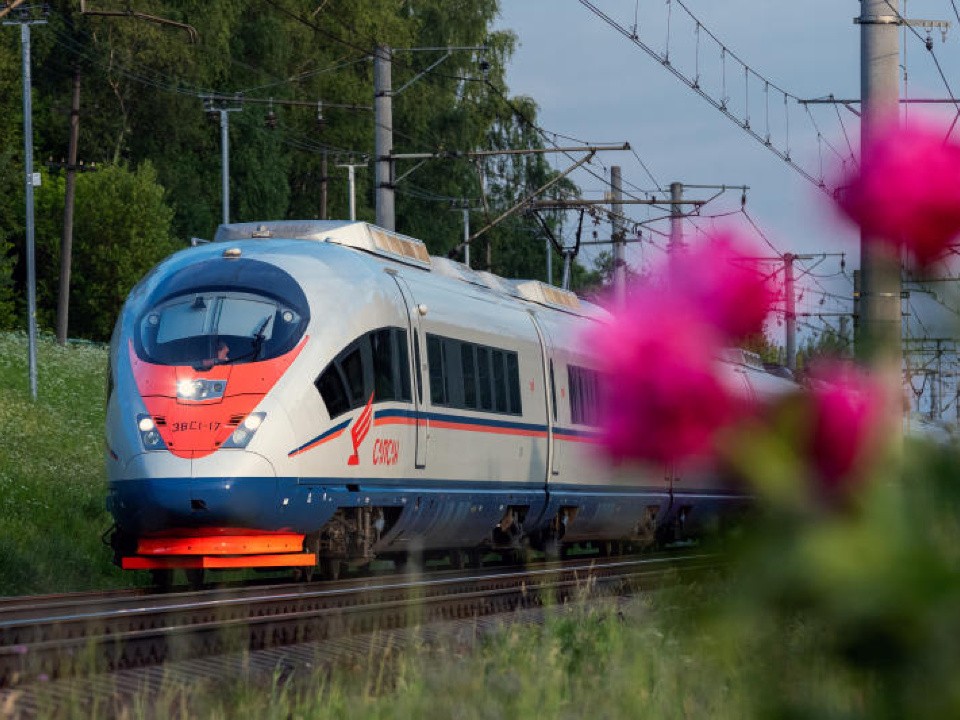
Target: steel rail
<point>149,630</point>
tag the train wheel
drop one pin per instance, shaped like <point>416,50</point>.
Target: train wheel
<point>161,580</point>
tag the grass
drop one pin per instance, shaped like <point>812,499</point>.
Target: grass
<point>597,659</point>
<point>52,476</point>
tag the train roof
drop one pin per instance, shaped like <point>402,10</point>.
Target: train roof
<point>403,249</point>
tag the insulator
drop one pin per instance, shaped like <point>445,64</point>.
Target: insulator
<point>270,120</point>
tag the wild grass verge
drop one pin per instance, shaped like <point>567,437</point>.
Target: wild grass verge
<point>52,479</point>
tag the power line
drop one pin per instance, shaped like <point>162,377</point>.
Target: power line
<point>780,146</point>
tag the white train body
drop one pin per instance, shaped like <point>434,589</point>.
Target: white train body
<point>387,401</point>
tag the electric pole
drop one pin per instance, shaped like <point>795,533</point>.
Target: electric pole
<point>879,339</point>
<point>676,218</point>
<point>323,186</point>
<point>616,220</point>
<point>217,104</point>
<point>465,209</point>
<point>383,137</point>
<point>352,185</point>
<point>25,20</point>
<point>790,318</point>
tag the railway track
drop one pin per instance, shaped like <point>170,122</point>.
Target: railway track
<point>57,636</point>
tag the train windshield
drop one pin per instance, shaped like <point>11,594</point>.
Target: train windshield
<point>204,329</point>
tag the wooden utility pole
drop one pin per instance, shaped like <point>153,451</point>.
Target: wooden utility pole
<point>66,239</point>
<point>323,186</point>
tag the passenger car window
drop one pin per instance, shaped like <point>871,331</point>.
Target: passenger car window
<point>376,363</point>
<point>475,377</point>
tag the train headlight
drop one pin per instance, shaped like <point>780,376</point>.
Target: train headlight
<point>244,433</point>
<point>200,389</point>
<point>149,435</point>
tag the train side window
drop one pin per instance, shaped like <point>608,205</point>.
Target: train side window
<point>376,363</point>
<point>384,371</point>
<point>513,383</point>
<point>499,381</point>
<point>452,373</point>
<point>475,377</point>
<point>468,363</point>
<point>438,387</point>
<point>333,391</point>
<point>584,395</point>
<point>483,377</point>
<point>352,366</point>
<point>576,403</point>
<point>416,366</point>
<point>403,363</point>
<point>594,398</point>
<point>553,392</point>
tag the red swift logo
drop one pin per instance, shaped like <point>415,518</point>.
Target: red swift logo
<point>360,429</point>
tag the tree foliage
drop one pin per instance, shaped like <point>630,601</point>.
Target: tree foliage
<point>121,229</point>
<point>144,118</point>
<point>830,343</point>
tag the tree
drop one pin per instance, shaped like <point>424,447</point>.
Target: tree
<point>141,108</point>
<point>829,343</point>
<point>11,213</point>
<point>763,346</point>
<point>121,230</point>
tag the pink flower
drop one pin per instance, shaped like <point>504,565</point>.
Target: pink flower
<point>847,421</point>
<point>722,278</point>
<point>662,397</point>
<point>907,190</point>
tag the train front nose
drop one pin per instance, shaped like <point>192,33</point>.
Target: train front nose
<point>234,489</point>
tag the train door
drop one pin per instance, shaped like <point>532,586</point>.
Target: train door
<point>557,414</point>
<point>418,357</point>
<point>550,395</point>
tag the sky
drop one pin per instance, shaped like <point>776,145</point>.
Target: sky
<point>594,84</point>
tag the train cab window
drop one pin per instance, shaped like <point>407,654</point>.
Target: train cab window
<point>374,364</point>
<point>206,328</point>
<point>474,377</point>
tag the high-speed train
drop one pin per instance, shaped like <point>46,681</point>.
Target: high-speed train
<point>310,394</point>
